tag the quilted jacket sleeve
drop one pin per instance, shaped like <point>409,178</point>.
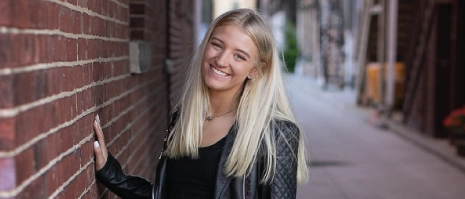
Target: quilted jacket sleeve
<point>125,186</point>
<point>284,184</point>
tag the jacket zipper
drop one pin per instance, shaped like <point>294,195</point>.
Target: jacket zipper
<point>153,192</point>
<point>243,187</point>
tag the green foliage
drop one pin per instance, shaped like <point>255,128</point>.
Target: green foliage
<point>291,50</point>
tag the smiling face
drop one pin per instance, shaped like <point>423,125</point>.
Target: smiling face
<point>229,57</point>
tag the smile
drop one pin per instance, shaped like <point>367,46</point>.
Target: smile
<point>218,72</point>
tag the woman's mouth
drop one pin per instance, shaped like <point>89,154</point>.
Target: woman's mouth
<point>218,72</point>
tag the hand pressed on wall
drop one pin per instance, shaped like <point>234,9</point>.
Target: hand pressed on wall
<point>100,150</point>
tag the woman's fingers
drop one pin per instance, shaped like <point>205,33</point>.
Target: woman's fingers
<point>99,159</point>
<point>101,152</point>
<point>100,136</point>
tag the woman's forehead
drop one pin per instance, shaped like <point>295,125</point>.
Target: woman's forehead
<point>234,35</point>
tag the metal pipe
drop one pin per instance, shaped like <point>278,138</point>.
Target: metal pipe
<point>391,56</point>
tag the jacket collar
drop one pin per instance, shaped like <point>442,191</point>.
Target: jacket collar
<point>222,180</point>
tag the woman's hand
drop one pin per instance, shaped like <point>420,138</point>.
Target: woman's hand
<point>100,150</point>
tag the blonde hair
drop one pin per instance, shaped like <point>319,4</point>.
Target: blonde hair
<point>261,102</point>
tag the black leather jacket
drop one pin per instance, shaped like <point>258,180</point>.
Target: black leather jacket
<point>283,185</point>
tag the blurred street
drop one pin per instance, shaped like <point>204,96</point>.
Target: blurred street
<point>352,159</point>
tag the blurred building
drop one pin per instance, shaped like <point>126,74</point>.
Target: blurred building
<point>221,6</point>
<point>402,57</point>
<point>435,64</point>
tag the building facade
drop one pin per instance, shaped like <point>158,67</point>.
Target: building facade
<point>62,63</point>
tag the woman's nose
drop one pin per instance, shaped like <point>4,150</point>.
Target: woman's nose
<point>222,59</point>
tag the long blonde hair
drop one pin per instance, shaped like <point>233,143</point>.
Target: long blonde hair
<point>261,102</point>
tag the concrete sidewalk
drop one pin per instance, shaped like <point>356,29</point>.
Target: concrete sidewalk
<point>438,147</point>
<point>351,158</point>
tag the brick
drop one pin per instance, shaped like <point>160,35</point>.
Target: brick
<point>52,178</point>
<point>66,20</point>
<point>7,137</point>
<point>68,81</point>
<point>19,20</point>
<point>77,186</point>
<point>86,152</point>
<point>58,51</point>
<point>98,26</point>
<point>84,101</point>
<point>5,51</point>
<point>25,166</point>
<point>46,150</point>
<point>5,12</point>
<point>111,9</point>
<point>82,49</point>
<point>110,29</point>
<point>91,49</point>
<point>82,129</point>
<point>7,174</point>
<point>96,51</point>
<point>71,49</point>
<point>90,172</point>
<point>52,18</point>
<point>65,109</point>
<point>64,138</point>
<point>54,78</point>
<point>37,16</point>
<point>38,49</point>
<point>6,91</point>
<point>30,86</point>
<point>42,49</point>
<point>27,120</point>
<point>78,26</point>
<point>24,51</point>
<point>94,22</point>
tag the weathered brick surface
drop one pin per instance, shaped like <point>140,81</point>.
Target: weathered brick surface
<point>180,42</point>
<point>61,63</point>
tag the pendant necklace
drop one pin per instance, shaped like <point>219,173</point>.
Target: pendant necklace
<point>208,118</point>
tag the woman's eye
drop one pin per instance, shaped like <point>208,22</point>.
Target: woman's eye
<point>240,57</point>
<point>216,45</point>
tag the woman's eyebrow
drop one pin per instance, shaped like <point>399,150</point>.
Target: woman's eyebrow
<point>216,38</point>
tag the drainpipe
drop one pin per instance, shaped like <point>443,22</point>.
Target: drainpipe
<point>391,55</point>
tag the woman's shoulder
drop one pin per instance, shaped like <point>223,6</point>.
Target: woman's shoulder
<point>287,129</point>
<point>281,123</point>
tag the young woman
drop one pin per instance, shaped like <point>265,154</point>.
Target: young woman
<point>233,134</point>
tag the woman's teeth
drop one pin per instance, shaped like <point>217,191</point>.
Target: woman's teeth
<point>219,72</point>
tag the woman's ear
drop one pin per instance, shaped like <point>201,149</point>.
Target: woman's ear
<point>256,71</point>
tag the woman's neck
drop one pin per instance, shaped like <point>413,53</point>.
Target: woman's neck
<point>220,103</point>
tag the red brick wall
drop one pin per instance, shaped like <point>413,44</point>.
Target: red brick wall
<point>181,43</point>
<point>62,62</point>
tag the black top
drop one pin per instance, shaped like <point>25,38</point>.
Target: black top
<point>189,178</point>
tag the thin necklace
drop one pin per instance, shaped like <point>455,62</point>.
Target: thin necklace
<point>208,118</point>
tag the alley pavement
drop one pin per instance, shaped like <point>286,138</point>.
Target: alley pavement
<point>350,158</point>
